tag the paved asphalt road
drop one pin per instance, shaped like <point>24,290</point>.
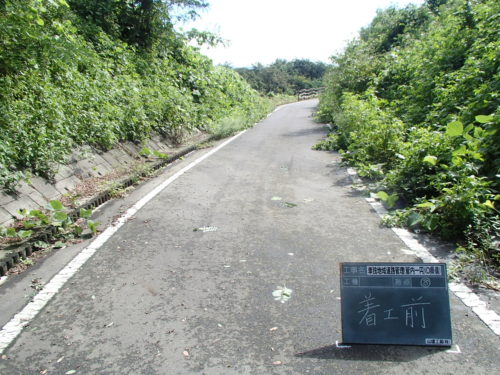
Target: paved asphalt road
<point>160,298</point>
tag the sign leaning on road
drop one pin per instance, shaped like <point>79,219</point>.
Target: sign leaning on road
<point>395,303</point>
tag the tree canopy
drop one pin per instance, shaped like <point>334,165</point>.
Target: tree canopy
<point>284,77</point>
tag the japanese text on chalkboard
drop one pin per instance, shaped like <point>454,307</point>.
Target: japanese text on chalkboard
<point>412,312</point>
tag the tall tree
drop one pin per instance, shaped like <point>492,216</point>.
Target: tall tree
<point>145,24</point>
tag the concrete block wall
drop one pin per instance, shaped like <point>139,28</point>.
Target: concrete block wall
<point>84,163</point>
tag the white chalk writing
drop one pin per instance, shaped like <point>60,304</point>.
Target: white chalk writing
<point>414,312</point>
<point>369,317</point>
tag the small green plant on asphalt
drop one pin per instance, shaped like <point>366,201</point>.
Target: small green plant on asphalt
<point>282,294</point>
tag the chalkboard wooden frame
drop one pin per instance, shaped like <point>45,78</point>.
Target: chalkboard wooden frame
<point>395,303</point>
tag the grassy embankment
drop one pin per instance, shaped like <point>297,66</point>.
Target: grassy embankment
<point>78,72</point>
<point>414,104</point>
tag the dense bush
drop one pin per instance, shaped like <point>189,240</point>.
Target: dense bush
<point>416,99</point>
<point>70,75</point>
<point>367,133</point>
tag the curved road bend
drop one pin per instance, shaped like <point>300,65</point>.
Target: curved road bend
<point>161,298</point>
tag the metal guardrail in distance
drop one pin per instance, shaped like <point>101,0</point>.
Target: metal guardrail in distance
<point>309,93</point>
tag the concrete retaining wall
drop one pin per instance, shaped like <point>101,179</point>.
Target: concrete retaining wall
<point>84,163</point>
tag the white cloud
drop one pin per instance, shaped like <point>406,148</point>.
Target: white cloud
<point>264,30</point>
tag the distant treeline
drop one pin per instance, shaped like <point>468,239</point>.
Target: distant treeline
<point>284,77</point>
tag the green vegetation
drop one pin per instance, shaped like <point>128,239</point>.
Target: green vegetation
<point>414,105</point>
<point>94,72</point>
<point>284,77</point>
<point>35,222</point>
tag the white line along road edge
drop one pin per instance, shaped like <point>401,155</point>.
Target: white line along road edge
<point>15,326</point>
<point>463,292</point>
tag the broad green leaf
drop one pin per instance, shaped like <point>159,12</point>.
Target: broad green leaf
<point>454,129</point>
<point>489,204</point>
<point>60,216</point>
<point>413,219</point>
<point>477,156</point>
<point>457,161</point>
<point>478,132</point>
<point>93,226</point>
<point>391,200</point>
<point>29,224</point>
<point>43,218</point>
<point>35,213</point>
<point>383,195</point>
<point>426,205</point>
<point>11,232</point>
<point>482,119</point>
<point>85,213</point>
<point>24,234</point>
<point>77,230</point>
<point>56,205</point>
<point>41,244</point>
<point>462,150</point>
<point>432,160</point>
<point>468,128</point>
<point>40,21</point>
<point>430,222</point>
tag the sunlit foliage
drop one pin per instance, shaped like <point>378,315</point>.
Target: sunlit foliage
<point>415,104</point>
<point>99,72</point>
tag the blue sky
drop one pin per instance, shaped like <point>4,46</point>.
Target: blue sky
<point>264,30</point>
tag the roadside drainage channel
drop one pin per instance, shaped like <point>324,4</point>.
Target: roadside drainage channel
<point>470,299</point>
<point>27,248</point>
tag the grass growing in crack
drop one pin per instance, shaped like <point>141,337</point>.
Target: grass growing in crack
<point>228,127</point>
<point>204,145</point>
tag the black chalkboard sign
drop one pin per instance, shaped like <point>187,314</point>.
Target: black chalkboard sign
<point>395,303</point>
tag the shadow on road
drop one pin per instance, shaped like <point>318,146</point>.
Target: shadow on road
<point>323,130</point>
<point>387,353</point>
